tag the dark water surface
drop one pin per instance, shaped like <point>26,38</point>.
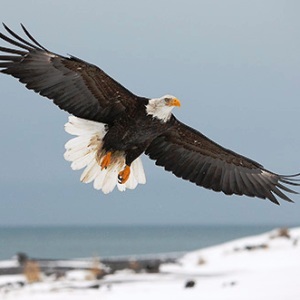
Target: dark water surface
<point>86,241</point>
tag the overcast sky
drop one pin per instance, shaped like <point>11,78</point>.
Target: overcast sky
<point>235,66</point>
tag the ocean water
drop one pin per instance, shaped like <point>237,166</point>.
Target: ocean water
<point>108,241</point>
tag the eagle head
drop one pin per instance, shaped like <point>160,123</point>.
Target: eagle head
<point>161,108</point>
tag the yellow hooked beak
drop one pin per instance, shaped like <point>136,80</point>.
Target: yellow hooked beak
<point>174,102</point>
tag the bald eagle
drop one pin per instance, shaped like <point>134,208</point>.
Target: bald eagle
<point>114,127</point>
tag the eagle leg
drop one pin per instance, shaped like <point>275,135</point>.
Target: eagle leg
<point>106,160</point>
<point>124,175</point>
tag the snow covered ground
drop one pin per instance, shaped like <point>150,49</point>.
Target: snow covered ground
<point>266,266</point>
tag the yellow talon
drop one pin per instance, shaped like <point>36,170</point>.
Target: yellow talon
<point>124,175</point>
<point>106,160</point>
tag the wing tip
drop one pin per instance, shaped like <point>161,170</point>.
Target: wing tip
<point>280,186</point>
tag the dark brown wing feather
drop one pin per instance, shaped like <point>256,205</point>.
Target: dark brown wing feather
<point>76,86</point>
<point>190,155</point>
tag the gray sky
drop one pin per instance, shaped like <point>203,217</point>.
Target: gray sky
<point>234,65</point>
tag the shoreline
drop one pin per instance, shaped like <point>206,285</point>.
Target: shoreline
<point>142,263</point>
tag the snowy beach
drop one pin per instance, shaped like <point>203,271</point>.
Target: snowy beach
<point>265,266</point>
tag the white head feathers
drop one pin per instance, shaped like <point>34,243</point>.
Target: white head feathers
<point>161,108</point>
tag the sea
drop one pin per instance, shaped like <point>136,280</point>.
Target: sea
<point>69,242</point>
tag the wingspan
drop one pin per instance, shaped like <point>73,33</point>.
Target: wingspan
<point>190,155</point>
<point>80,88</point>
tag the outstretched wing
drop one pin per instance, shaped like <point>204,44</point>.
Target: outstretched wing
<point>190,155</point>
<point>76,86</point>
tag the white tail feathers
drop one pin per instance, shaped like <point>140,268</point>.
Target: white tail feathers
<point>85,150</point>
